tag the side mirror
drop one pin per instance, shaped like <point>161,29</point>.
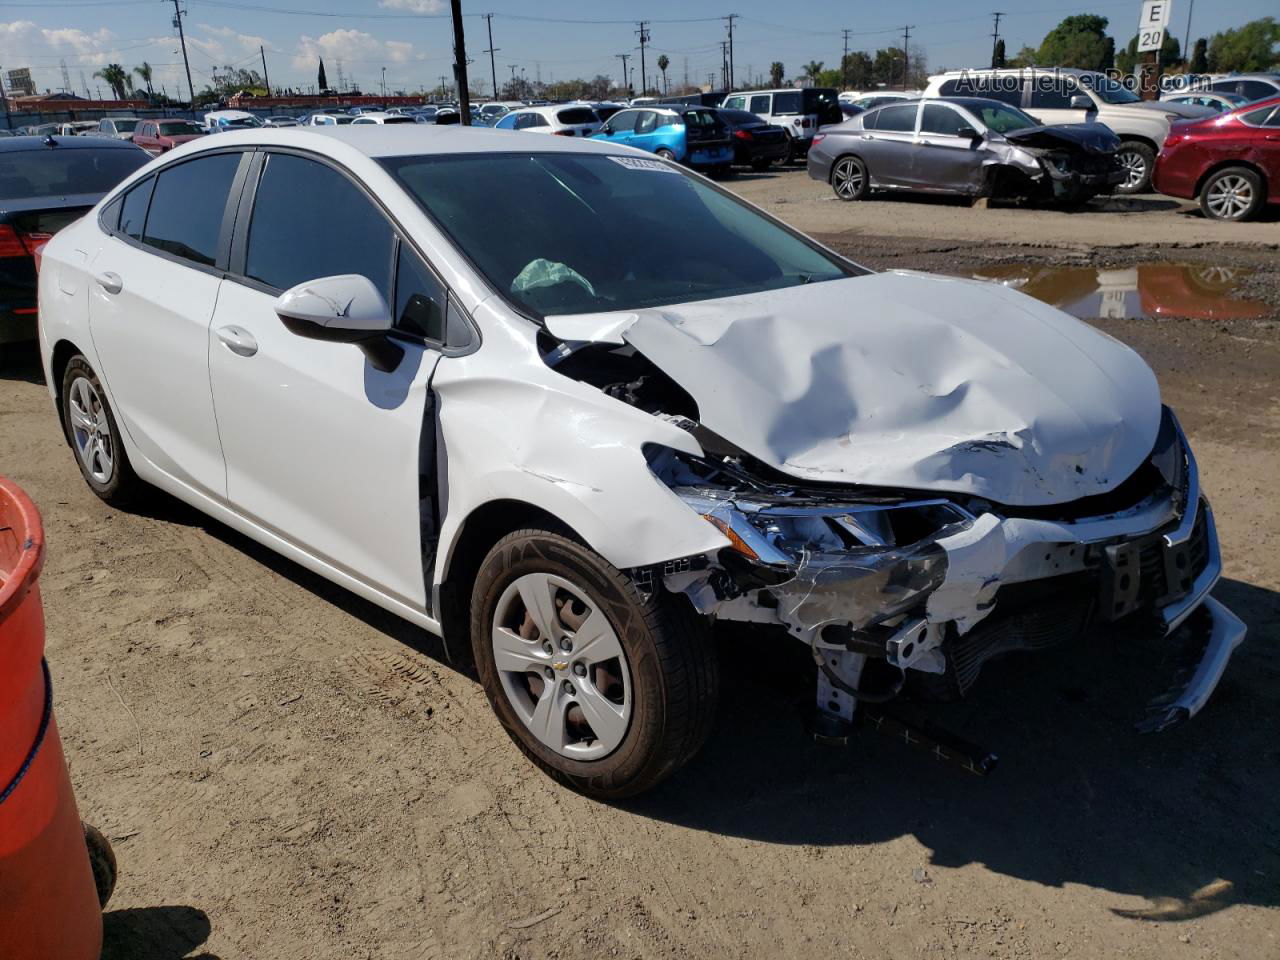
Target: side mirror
<point>342,309</point>
<point>1081,102</point>
<point>969,133</point>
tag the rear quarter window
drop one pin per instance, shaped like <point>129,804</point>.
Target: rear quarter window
<point>900,118</point>
<point>577,115</point>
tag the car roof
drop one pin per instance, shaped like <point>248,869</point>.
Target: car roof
<point>378,140</point>
<point>13,144</point>
<point>1016,71</point>
<point>970,103</point>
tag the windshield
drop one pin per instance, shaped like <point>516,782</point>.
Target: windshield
<point>124,126</point>
<point>1002,118</point>
<point>595,233</point>
<point>54,173</point>
<point>1110,91</point>
<point>179,128</point>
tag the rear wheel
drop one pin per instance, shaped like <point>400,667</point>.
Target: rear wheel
<point>607,690</point>
<point>1138,161</point>
<point>1234,193</point>
<point>665,154</point>
<point>94,435</point>
<point>849,179</point>
<point>760,164</point>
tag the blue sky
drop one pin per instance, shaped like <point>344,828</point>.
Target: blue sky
<point>554,39</point>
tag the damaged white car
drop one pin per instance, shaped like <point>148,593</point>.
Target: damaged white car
<point>574,429</point>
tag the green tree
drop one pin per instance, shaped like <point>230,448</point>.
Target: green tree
<point>1128,59</point>
<point>998,58</point>
<point>1252,47</point>
<point>812,69</point>
<point>776,71</point>
<point>1200,56</point>
<point>1027,57</point>
<point>117,79</point>
<point>886,69</point>
<point>322,82</point>
<point>858,69</point>
<point>144,73</point>
<point>1078,41</point>
<point>663,63</point>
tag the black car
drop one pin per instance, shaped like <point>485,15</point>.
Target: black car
<point>756,143</point>
<point>45,184</point>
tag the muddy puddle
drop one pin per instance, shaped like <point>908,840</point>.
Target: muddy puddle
<point>1145,291</point>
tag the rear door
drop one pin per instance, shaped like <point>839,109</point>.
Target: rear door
<point>887,148</point>
<point>155,286</point>
<point>943,157</point>
<point>645,136</point>
<point>323,449</point>
<point>1049,99</point>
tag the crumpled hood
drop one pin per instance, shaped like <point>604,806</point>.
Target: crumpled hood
<point>1146,107</point>
<point>1090,137</point>
<point>905,380</point>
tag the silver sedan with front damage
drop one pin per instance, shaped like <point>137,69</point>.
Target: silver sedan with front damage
<point>970,146</point>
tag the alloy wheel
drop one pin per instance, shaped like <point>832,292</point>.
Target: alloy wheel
<point>562,666</point>
<point>1135,169</point>
<point>1230,197</point>
<point>90,430</point>
<point>848,179</point>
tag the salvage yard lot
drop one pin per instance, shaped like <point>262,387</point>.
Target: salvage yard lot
<point>287,771</point>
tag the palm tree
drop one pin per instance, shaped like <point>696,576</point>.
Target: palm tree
<point>144,72</point>
<point>663,63</point>
<point>117,79</point>
<point>812,69</point>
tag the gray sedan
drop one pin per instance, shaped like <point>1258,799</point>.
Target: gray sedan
<point>968,146</point>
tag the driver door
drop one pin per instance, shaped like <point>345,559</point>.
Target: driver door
<point>323,449</point>
<point>945,157</point>
<point>1050,100</point>
<point>620,128</point>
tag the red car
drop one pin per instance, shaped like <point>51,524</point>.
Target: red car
<point>160,136</point>
<point>1231,161</point>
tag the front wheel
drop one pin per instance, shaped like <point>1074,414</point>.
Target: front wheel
<point>1138,161</point>
<point>608,690</point>
<point>760,164</point>
<point>1235,193</point>
<point>849,179</point>
<point>666,154</point>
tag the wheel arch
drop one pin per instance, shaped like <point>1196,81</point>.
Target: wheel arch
<point>1140,138</point>
<point>845,155</point>
<point>61,355</point>
<point>1233,162</point>
<point>480,530</point>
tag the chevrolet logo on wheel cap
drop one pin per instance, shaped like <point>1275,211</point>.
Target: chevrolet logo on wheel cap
<point>561,664</point>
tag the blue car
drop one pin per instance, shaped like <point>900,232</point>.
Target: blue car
<point>694,136</point>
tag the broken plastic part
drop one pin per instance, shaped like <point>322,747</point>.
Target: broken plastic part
<point>547,273</point>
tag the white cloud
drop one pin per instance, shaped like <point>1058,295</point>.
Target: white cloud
<point>413,6</point>
<point>350,46</point>
<point>26,44</point>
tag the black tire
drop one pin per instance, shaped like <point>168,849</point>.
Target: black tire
<point>102,860</point>
<point>121,486</point>
<point>673,670</point>
<point>665,154</point>
<point>1131,153</point>
<point>1232,194</point>
<point>723,171</point>
<point>760,164</point>
<point>849,179</point>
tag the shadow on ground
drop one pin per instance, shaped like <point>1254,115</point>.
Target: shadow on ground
<point>155,933</point>
<point>1182,819</point>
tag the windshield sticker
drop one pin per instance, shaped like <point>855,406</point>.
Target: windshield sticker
<point>640,163</point>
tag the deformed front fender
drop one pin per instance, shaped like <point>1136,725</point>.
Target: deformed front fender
<point>511,428</point>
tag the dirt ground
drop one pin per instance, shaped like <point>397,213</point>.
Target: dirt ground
<point>288,772</point>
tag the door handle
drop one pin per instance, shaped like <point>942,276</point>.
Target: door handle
<point>1272,136</point>
<point>238,340</point>
<point>109,281</point>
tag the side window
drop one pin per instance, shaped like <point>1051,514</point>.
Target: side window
<point>1256,89</point>
<point>870,119</point>
<point>648,120</point>
<point>941,120</point>
<point>295,237</point>
<point>624,122</point>
<point>901,118</point>
<point>186,212</point>
<point>420,298</point>
<point>760,103</point>
<point>734,103</point>
<point>134,211</point>
<point>507,123</point>
<point>1257,118</point>
<point>949,88</point>
<point>667,120</point>
<point>538,120</point>
<point>1051,93</point>
<point>1007,88</point>
<point>110,217</point>
<point>1274,119</point>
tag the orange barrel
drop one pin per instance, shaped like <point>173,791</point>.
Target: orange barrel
<point>48,902</point>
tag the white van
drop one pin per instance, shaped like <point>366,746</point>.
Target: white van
<point>798,112</point>
<point>1060,95</point>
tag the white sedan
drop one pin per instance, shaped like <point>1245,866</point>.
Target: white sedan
<point>570,436</point>
<point>379,117</point>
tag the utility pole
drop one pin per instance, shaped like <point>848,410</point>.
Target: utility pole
<point>643,33</point>
<point>731,17</point>
<point>1186,43</point>
<point>624,57</point>
<point>265,81</point>
<point>724,64</point>
<point>995,36</point>
<point>844,61</point>
<point>906,55</point>
<point>460,64</point>
<point>493,70</point>
<point>182,38</point>
<point>384,83</point>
